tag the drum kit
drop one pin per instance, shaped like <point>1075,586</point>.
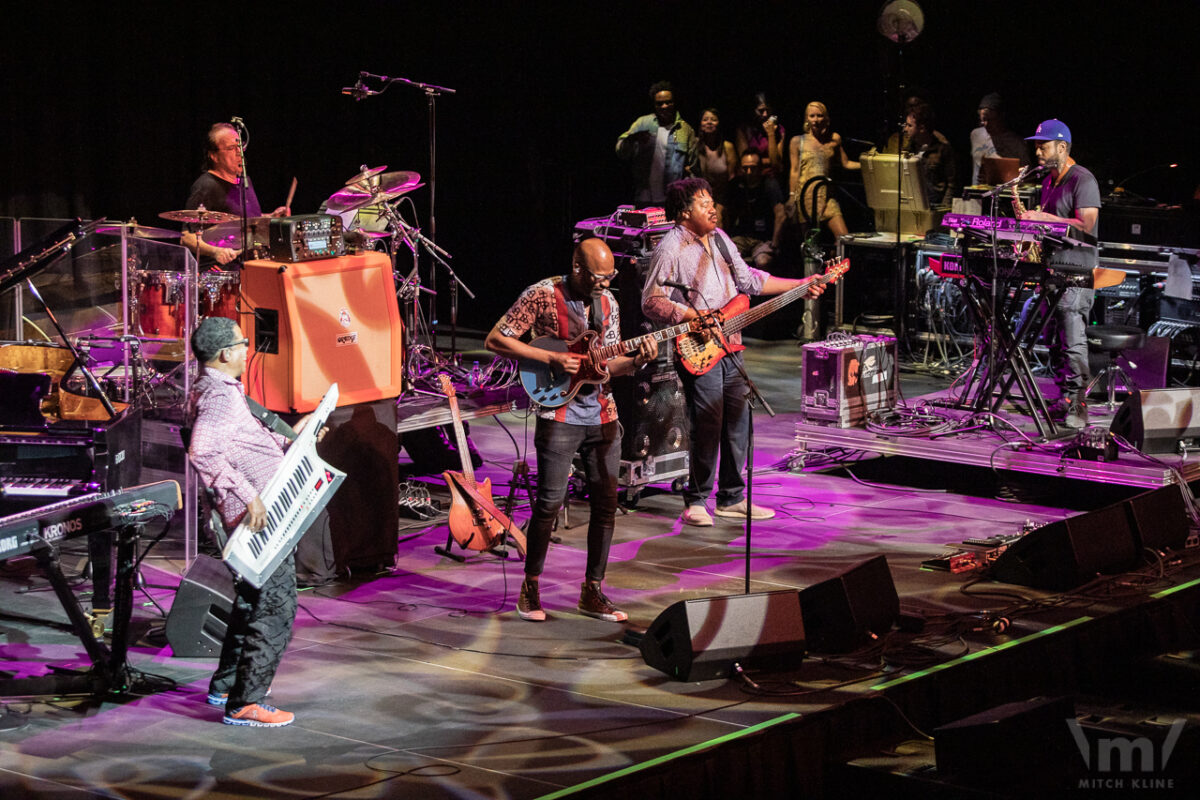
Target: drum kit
<point>157,296</point>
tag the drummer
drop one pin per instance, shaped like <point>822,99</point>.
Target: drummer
<point>218,189</point>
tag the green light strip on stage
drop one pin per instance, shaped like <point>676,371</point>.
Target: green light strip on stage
<point>1174,589</point>
<point>654,762</point>
<point>980,654</point>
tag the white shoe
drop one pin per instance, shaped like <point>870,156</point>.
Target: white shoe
<point>739,510</point>
<point>696,515</point>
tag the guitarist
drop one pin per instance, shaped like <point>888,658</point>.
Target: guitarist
<point>565,307</point>
<point>698,254</point>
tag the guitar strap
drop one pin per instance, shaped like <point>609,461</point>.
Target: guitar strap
<point>270,420</point>
<point>724,248</point>
<point>595,323</point>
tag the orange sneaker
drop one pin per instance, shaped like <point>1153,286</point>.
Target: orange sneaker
<point>259,715</point>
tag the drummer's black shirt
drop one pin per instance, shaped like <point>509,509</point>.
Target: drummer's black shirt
<point>218,194</point>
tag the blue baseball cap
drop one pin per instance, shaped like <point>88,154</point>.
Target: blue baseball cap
<point>1051,130</point>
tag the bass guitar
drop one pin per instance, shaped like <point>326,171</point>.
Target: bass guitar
<point>475,521</point>
<point>700,348</point>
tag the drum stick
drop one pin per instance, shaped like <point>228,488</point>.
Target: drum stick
<point>291,194</point>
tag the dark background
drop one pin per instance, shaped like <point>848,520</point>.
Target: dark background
<point>106,108</point>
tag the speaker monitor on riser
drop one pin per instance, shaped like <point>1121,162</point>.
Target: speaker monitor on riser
<point>200,612</point>
<point>1071,552</point>
<point>842,613</point>
<point>699,640</point>
<point>1156,420</point>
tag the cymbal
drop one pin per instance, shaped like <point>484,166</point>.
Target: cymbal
<point>366,173</point>
<point>201,216</point>
<point>139,231</point>
<point>388,186</point>
<point>229,234</point>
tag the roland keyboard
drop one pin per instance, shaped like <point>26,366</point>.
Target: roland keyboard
<point>21,534</point>
<point>1019,230</point>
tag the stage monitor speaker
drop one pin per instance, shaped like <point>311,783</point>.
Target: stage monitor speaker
<point>846,611</point>
<point>200,612</point>
<point>1000,743</point>
<point>1071,552</point>
<point>314,323</point>
<point>1161,518</point>
<point>699,640</point>
<point>1157,420</point>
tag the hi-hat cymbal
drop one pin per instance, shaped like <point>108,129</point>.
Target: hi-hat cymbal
<point>139,231</point>
<point>366,173</point>
<point>198,216</point>
<point>229,234</point>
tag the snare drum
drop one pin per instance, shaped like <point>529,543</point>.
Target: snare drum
<point>159,298</point>
<point>219,294</point>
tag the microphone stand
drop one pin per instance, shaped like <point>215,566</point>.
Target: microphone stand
<point>752,396</point>
<point>432,91</point>
<point>80,362</point>
<point>243,137</point>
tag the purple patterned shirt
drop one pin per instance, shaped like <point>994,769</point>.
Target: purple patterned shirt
<point>233,453</point>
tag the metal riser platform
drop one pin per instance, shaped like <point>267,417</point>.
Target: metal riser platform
<point>987,449</point>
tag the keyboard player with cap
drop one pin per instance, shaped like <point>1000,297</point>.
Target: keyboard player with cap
<point>1070,194</point>
<point>236,457</point>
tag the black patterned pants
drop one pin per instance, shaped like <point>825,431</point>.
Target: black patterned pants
<point>260,628</point>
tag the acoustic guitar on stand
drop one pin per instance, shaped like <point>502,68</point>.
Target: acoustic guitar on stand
<point>475,521</point>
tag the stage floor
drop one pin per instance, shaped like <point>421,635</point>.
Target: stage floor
<point>422,681</point>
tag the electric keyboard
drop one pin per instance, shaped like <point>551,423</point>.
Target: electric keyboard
<point>22,533</point>
<point>296,493</point>
<point>1009,229</point>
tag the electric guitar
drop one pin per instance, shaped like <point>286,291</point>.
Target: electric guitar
<point>550,386</point>
<point>475,521</point>
<point>700,348</point>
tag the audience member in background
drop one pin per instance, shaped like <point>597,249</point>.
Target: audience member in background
<point>993,136</point>
<point>939,168</point>
<point>716,161</point>
<point>661,147</point>
<point>755,212</point>
<point>764,135</point>
<point>811,154</point>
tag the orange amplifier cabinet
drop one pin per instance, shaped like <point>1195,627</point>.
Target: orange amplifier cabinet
<point>316,322</point>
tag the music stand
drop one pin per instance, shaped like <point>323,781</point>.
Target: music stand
<point>894,188</point>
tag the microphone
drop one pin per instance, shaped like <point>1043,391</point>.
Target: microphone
<point>357,91</point>
<point>238,122</point>
<point>679,286</point>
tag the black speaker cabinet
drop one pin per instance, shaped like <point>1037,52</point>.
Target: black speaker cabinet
<point>364,514</point>
<point>1157,420</point>
<point>653,413</point>
<point>1160,518</point>
<point>1004,741</point>
<point>200,612</point>
<point>1071,552</point>
<point>842,613</point>
<point>699,640</point>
